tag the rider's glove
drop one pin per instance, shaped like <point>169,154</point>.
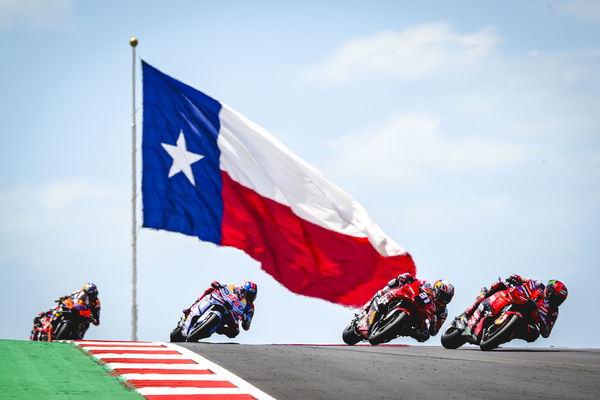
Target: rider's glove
<point>514,280</point>
<point>215,284</point>
<point>405,278</point>
<point>186,311</point>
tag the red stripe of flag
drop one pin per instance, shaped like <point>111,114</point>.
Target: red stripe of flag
<point>305,257</point>
<point>163,371</point>
<point>133,351</point>
<point>149,361</point>
<point>143,383</point>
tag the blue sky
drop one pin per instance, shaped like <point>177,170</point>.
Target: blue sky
<point>469,131</point>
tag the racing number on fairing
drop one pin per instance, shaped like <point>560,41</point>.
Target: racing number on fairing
<point>234,299</point>
<point>424,297</point>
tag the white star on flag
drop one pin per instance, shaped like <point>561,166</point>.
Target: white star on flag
<point>182,159</point>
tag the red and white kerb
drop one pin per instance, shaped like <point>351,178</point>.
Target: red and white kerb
<point>165,371</point>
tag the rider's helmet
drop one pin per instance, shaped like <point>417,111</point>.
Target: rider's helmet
<point>555,292</point>
<point>515,280</point>
<point>91,290</point>
<point>248,291</point>
<point>443,291</point>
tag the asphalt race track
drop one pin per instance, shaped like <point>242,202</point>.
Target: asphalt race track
<point>410,372</point>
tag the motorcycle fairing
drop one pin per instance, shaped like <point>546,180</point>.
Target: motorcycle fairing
<point>505,314</point>
<point>200,309</point>
<point>221,302</point>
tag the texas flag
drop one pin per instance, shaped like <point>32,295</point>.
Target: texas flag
<point>210,172</point>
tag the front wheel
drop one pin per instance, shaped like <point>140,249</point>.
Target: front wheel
<point>177,335</point>
<point>389,327</point>
<point>205,328</point>
<point>350,336</point>
<point>494,336</point>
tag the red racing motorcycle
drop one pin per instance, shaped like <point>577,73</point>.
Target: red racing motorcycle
<point>42,327</point>
<point>509,317</point>
<point>395,313</point>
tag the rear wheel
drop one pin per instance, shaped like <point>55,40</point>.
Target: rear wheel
<point>388,328</point>
<point>204,329</point>
<point>350,336</point>
<point>494,336</point>
<point>177,336</point>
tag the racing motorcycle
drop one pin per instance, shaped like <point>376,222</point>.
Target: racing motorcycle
<point>513,321</point>
<point>64,322</point>
<point>42,327</point>
<point>395,313</point>
<point>209,315</point>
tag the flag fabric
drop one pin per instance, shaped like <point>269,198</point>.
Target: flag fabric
<point>210,172</point>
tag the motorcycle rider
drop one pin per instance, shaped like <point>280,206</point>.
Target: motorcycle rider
<point>555,293</point>
<point>541,300</point>
<point>246,292</point>
<point>511,281</point>
<point>38,321</point>
<point>441,291</point>
<point>85,301</point>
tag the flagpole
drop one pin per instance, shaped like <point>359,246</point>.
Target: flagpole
<point>133,42</point>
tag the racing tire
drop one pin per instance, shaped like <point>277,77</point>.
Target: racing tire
<point>177,335</point>
<point>205,328</point>
<point>390,329</point>
<point>501,335</point>
<point>453,338</point>
<point>63,331</point>
<point>350,336</point>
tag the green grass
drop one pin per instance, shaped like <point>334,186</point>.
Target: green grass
<point>41,370</point>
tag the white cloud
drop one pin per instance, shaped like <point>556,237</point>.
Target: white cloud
<point>586,10</point>
<point>406,148</point>
<point>56,194</point>
<point>63,193</point>
<point>412,53</point>
<point>455,214</point>
<point>55,206</point>
<point>17,14</point>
